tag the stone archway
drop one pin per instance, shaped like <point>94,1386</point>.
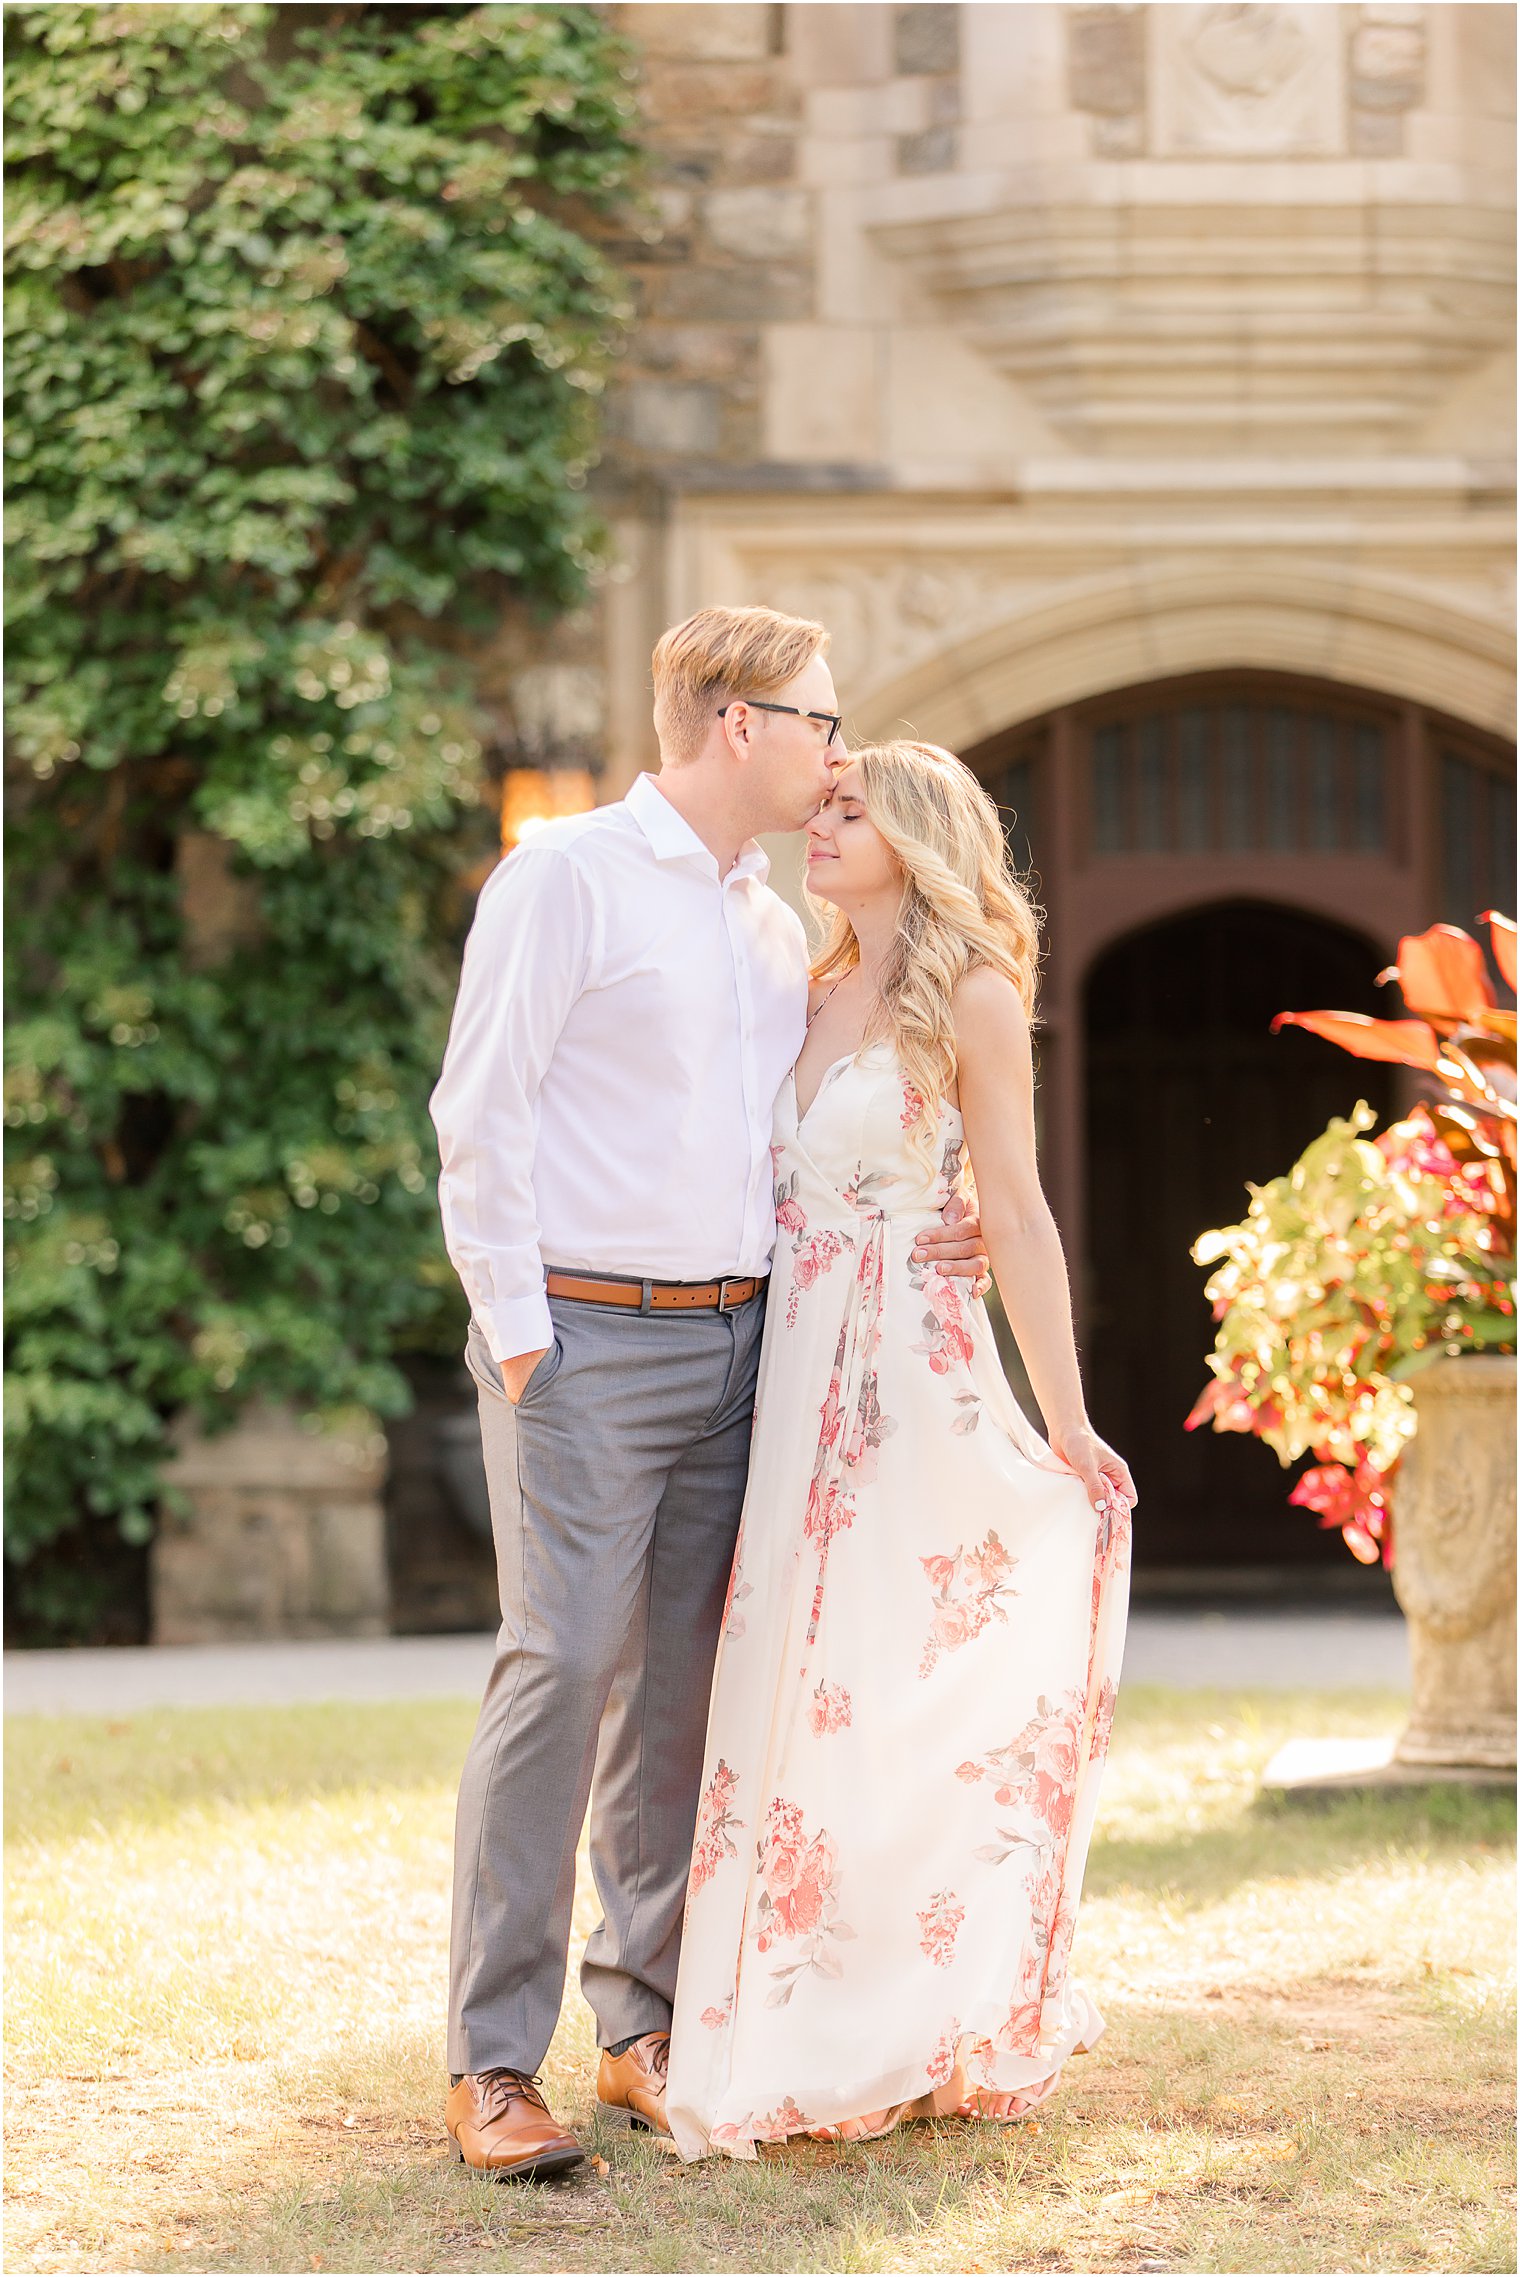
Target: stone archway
<point>962,617</point>
<point>1327,821</point>
<point>1115,628</point>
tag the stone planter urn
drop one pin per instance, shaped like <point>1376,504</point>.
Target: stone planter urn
<point>1454,1564</point>
<point>273,1530</point>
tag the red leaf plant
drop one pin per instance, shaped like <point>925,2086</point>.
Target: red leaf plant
<point>1371,1258</point>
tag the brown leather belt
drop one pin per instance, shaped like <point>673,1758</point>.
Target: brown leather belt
<point>656,1296</point>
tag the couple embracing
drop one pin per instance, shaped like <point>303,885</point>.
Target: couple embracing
<point>791,1588</point>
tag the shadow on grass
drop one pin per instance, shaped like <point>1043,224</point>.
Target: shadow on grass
<point>1210,2143</point>
<point>1204,1864</point>
<point>69,1773</point>
<point>377,2199</point>
<point>73,1774</point>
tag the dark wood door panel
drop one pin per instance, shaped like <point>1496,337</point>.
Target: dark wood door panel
<point>1188,1097</point>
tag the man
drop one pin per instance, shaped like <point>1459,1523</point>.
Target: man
<point>632,998</point>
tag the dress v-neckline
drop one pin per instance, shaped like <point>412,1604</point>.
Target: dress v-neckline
<point>823,1084</point>
<point>845,1059</point>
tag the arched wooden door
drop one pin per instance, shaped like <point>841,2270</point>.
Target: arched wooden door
<point>1209,851</point>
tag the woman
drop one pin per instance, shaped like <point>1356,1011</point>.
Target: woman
<point>913,1695</point>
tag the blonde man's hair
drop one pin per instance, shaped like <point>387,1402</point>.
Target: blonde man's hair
<point>965,904</point>
<point>718,656</point>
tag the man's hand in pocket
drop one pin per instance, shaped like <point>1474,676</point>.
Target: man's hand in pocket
<point>515,1373</point>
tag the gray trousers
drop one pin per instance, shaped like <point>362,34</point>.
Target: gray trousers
<point>617,1484</point>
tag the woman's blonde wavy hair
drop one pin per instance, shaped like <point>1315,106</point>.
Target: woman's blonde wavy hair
<point>965,905</point>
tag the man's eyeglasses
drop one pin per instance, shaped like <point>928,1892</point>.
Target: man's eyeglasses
<point>834,721</point>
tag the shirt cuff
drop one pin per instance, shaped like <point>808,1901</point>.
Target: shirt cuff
<point>516,1325</point>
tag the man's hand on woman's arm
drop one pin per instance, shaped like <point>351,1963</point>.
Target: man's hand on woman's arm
<point>956,1246</point>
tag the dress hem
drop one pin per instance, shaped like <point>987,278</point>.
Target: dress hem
<point>904,2087</point>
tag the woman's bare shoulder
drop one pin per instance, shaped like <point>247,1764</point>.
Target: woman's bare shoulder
<point>987,1007</point>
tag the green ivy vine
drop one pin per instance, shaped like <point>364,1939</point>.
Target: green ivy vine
<point>306,322</point>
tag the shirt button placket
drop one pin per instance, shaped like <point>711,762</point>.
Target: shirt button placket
<point>733,916</point>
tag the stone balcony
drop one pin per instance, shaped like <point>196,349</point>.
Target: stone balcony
<point>1142,329</point>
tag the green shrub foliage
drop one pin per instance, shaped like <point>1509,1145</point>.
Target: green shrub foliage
<point>306,321</point>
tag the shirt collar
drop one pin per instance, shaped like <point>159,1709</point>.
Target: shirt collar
<point>672,838</point>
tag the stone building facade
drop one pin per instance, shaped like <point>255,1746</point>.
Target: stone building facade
<point>1047,349</point>
<point>1131,391</point>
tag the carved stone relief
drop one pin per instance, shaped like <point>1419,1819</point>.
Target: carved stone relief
<point>1246,67</point>
<point>1387,78</point>
<point>884,621</point>
<point>1247,81</point>
<point>1105,76</point>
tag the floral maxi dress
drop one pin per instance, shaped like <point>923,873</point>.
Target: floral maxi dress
<point>915,1684</point>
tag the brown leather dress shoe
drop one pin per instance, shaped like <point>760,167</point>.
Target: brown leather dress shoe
<point>630,2088</point>
<point>500,2124</point>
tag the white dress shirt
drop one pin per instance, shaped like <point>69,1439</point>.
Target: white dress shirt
<point>625,1019</point>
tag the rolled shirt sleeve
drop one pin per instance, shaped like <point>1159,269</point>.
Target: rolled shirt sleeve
<point>528,957</point>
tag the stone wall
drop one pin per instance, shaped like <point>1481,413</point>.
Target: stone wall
<point>1042,350</point>
<point>953,317</point>
<point>271,1529</point>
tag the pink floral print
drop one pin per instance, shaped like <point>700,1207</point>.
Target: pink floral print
<point>788,2118</point>
<point>1021,2034</point>
<point>1103,1720</point>
<point>714,1841</point>
<point>1034,1775</point>
<point>899,1531</point>
<point>969,1587</point>
<point>940,2068</point>
<point>1110,1551</point>
<point>812,1254</point>
<point>790,1217</point>
<point>865,1191</point>
<point>1035,1780</point>
<point>830,1710</point>
<point>938,1926</point>
<point>738,1590</point>
<point>947,1341</point>
<point>812,1258</point>
<point>798,1902</point>
<point>851,1425</point>
<point>1062,1931</point>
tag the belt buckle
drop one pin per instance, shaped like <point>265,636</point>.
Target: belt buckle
<point>723,1288</point>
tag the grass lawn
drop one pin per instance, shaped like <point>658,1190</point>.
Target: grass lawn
<point>227,1941</point>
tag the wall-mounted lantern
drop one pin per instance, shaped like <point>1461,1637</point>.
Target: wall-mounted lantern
<point>532,796</point>
<point>559,715</point>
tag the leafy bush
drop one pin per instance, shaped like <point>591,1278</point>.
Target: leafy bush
<point>1371,1258</point>
<point>1367,1260</point>
<point>306,324</point>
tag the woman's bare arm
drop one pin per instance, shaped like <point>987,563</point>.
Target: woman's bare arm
<point>995,1077</point>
